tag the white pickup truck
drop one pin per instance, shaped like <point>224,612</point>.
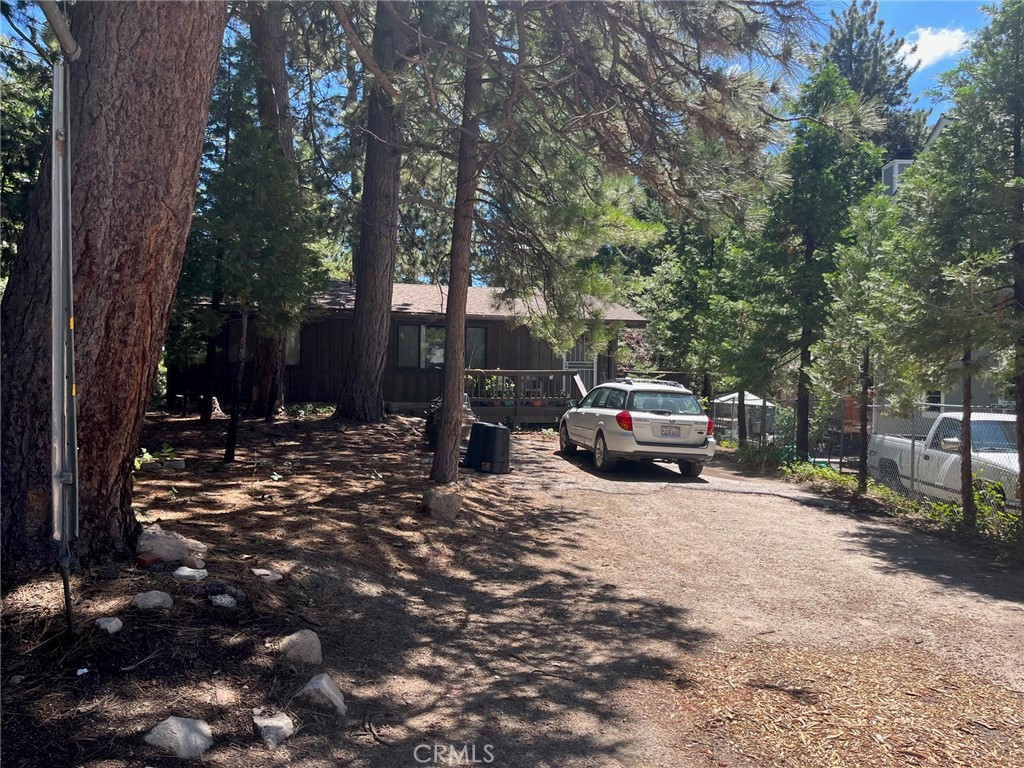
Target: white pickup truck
<point>930,465</point>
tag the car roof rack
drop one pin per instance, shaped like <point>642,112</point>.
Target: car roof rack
<point>664,382</point>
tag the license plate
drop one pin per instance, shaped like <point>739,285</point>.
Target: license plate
<point>670,431</point>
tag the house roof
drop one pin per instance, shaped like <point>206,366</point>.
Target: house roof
<point>430,300</point>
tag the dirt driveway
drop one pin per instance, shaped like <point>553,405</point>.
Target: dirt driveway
<point>569,620</point>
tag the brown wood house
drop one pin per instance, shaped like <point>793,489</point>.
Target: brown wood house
<point>529,370</point>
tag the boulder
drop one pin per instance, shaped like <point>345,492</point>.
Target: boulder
<point>443,503</point>
<point>111,624</point>
<point>273,729</point>
<point>321,693</point>
<point>166,546</point>
<point>152,599</point>
<point>183,736</point>
<point>302,647</point>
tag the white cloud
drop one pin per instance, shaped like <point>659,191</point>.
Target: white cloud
<point>934,45</point>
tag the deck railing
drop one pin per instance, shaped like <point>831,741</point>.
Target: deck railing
<point>522,396</point>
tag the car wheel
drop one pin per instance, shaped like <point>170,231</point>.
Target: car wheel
<point>565,445</point>
<point>690,468</point>
<point>602,461</point>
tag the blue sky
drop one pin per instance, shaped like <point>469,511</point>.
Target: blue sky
<point>939,27</point>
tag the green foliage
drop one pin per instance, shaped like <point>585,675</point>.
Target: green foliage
<point>253,243</point>
<point>873,61</point>
<point>26,88</point>
<point>763,458</point>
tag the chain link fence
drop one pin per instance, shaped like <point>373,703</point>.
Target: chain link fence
<point>919,453</point>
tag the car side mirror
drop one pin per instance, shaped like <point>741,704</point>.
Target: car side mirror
<point>574,403</point>
<point>951,444</point>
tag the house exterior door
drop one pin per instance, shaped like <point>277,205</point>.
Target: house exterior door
<point>583,361</point>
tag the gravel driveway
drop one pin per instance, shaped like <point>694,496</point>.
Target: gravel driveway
<point>758,558</point>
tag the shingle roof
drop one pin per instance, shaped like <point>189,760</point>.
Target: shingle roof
<point>429,300</point>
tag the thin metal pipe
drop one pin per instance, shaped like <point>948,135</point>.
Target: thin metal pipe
<point>60,28</point>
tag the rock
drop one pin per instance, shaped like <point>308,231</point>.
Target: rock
<point>148,559</point>
<point>443,503</point>
<point>184,573</point>
<point>173,464</point>
<point>302,646</point>
<point>166,546</point>
<point>111,624</point>
<point>223,601</point>
<point>220,588</point>
<point>152,599</point>
<point>193,562</point>
<point>273,728</point>
<point>195,545</point>
<point>321,693</point>
<point>183,736</point>
<point>267,575</point>
<point>15,679</point>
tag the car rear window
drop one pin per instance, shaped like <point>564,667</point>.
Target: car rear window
<point>673,402</point>
<point>616,398</point>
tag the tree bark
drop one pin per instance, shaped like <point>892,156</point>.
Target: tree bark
<point>266,24</point>
<point>446,458</point>
<point>970,519</point>
<point>361,396</point>
<point>139,99</point>
<point>862,464</point>
<point>210,361</point>
<point>236,392</point>
<point>803,388</point>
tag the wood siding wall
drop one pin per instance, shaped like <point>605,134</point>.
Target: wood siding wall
<point>323,347</point>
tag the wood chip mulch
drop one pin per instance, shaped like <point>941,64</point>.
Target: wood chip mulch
<point>787,706</point>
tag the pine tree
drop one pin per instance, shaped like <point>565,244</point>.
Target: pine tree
<point>873,60</point>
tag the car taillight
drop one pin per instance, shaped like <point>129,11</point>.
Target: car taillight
<point>625,420</point>
<point>711,427</point>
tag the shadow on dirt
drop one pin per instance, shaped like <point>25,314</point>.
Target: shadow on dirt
<point>490,632</point>
<point>949,563</point>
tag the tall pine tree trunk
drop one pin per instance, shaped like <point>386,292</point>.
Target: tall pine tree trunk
<point>266,24</point>
<point>970,521</point>
<point>362,382</point>
<point>446,458</point>
<point>139,98</point>
<point>862,464</point>
<point>236,392</point>
<point>1017,254</point>
<point>803,385</point>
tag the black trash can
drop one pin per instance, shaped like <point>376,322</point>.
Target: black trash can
<point>489,447</point>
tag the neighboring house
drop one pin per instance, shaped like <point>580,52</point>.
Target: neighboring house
<point>986,394</point>
<point>316,353</point>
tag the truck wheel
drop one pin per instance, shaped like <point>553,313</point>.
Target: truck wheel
<point>602,461</point>
<point>890,475</point>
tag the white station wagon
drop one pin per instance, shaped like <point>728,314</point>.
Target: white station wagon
<point>640,419</point>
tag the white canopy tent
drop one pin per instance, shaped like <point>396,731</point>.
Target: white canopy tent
<point>724,414</point>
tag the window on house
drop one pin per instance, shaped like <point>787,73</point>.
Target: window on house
<point>422,346</point>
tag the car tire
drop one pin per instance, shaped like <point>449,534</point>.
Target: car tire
<point>690,468</point>
<point>565,446</point>
<point>602,461</point>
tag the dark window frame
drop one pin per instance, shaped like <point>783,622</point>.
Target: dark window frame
<point>421,336</point>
